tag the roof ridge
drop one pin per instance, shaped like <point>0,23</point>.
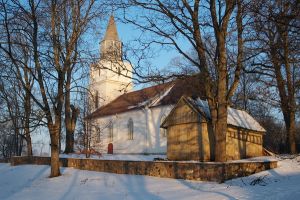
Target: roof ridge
<point>150,87</point>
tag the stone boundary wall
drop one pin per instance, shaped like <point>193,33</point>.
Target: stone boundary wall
<point>4,160</point>
<point>204,171</point>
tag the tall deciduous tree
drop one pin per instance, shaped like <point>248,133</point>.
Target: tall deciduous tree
<point>51,31</point>
<point>196,23</point>
<point>277,29</point>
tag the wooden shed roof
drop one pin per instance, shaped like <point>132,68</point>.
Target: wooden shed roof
<point>235,117</point>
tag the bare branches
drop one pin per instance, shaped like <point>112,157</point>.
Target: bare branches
<point>42,41</point>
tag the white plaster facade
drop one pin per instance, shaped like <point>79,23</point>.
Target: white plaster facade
<point>148,137</point>
<point>110,78</point>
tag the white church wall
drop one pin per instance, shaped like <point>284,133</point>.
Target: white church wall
<point>147,137</point>
<point>157,142</point>
<point>111,78</point>
<point>120,141</point>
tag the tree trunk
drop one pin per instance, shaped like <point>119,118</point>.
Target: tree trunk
<point>221,128</point>
<point>54,136</point>
<point>70,129</point>
<point>69,147</point>
<point>291,127</point>
<point>290,124</point>
<point>28,143</point>
<point>16,141</point>
<point>222,96</point>
<point>27,121</point>
<point>220,135</point>
<point>71,114</point>
<point>286,94</point>
<point>221,123</point>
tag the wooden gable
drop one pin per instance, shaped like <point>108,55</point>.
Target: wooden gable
<point>182,113</point>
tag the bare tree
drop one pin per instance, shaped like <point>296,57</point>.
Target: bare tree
<point>18,101</point>
<point>76,17</point>
<point>277,34</point>
<point>197,23</point>
<point>52,37</point>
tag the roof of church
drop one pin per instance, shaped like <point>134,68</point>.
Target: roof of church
<point>163,94</point>
<point>111,30</point>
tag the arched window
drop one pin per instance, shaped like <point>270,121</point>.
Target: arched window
<point>111,131</point>
<point>97,99</point>
<point>163,131</point>
<point>119,71</point>
<point>98,133</point>
<point>130,129</point>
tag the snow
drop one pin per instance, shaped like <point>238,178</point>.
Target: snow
<point>235,117</point>
<point>130,157</point>
<point>157,99</point>
<point>202,105</point>
<point>154,101</point>
<point>242,119</point>
<point>31,182</point>
<point>255,159</point>
<point>152,157</point>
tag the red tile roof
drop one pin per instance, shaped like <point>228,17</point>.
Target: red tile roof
<point>165,94</point>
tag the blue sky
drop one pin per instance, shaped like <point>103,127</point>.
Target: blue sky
<point>127,33</point>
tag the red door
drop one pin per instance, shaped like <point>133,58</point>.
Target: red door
<point>110,148</point>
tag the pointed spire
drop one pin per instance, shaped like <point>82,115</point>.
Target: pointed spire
<point>111,30</point>
<point>111,46</point>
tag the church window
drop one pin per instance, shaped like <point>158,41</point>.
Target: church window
<point>111,131</point>
<point>98,133</point>
<point>119,71</point>
<point>163,131</point>
<point>97,99</point>
<point>130,129</point>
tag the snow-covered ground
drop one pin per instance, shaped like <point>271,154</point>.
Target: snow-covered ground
<point>150,157</point>
<point>131,157</point>
<point>32,182</point>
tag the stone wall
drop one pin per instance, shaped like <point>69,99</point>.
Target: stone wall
<point>4,160</point>
<point>203,171</point>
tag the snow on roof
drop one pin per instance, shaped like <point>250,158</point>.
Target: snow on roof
<point>235,117</point>
<point>158,95</point>
<point>242,119</point>
<point>153,101</point>
<point>201,105</point>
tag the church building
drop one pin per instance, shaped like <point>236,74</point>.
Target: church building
<point>131,120</point>
<point>106,82</point>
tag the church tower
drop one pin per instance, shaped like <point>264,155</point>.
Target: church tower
<point>111,76</point>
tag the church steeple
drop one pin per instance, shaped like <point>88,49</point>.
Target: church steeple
<point>111,46</point>
<point>111,76</point>
<point>111,30</point>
